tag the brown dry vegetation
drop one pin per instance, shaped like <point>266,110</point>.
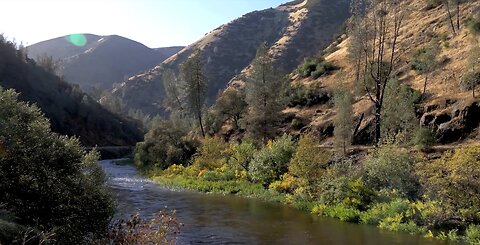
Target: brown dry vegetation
<point>445,99</point>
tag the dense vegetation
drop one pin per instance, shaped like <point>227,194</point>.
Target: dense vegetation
<point>71,112</point>
<point>51,188</point>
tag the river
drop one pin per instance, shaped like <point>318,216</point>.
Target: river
<point>217,219</point>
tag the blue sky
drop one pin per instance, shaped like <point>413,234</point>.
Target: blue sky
<point>155,23</point>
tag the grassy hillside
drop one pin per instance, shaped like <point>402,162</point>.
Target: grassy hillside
<point>291,30</point>
<point>446,107</point>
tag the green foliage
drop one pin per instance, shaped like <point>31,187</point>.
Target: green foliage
<point>473,234</point>
<point>242,155</point>
<point>425,59</point>
<point>166,143</point>
<point>391,169</point>
<point>398,114</point>
<point>49,182</point>
<point>423,138</point>
<point>343,213</point>
<point>232,104</point>
<point>193,76</point>
<point>264,96</point>
<point>309,162</point>
<point>450,180</point>
<point>474,26</point>
<point>212,154</point>
<point>343,121</point>
<point>381,211</point>
<point>470,81</point>
<point>272,161</point>
<point>305,97</point>
<point>314,67</point>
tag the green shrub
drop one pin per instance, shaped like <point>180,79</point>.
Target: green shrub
<point>166,143</point>
<point>306,97</point>
<point>474,26</point>
<point>214,153</point>
<point>272,161</point>
<point>241,155</point>
<point>343,213</point>
<point>395,224</point>
<point>309,162</point>
<point>473,234</point>
<point>381,211</point>
<point>450,181</point>
<point>49,182</point>
<point>470,81</point>
<point>423,138</point>
<point>314,67</point>
<point>392,169</point>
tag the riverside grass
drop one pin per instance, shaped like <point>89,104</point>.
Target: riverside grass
<point>392,220</point>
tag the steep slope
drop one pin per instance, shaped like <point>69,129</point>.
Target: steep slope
<point>99,61</point>
<point>71,112</point>
<point>292,30</point>
<point>449,110</point>
<point>169,51</point>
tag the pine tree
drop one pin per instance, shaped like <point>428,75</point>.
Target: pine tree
<point>343,121</point>
<point>195,87</point>
<point>174,99</point>
<point>264,96</point>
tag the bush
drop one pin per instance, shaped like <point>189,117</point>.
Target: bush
<point>286,184</point>
<point>340,184</point>
<point>392,170</point>
<point>423,138</point>
<point>343,213</point>
<point>450,181</point>
<point>474,26</point>
<point>314,67</point>
<point>304,96</point>
<point>272,161</point>
<point>49,182</point>
<point>381,211</point>
<point>166,143</point>
<point>242,155</point>
<point>309,162</point>
<point>473,234</point>
<point>470,81</point>
<point>214,153</point>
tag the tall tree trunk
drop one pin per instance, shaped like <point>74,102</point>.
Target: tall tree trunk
<point>378,123</point>
<point>447,5</point>
<point>201,123</point>
<point>458,14</point>
<point>425,85</point>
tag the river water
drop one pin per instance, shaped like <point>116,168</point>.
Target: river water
<point>217,219</point>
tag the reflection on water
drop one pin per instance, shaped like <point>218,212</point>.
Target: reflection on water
<point>215,219</point>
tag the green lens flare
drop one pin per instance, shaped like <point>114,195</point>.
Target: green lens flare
<point>78,40</point>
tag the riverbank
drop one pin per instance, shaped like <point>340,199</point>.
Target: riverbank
<point>390,216</point>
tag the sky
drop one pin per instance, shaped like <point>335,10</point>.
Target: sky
<point>155,23</point>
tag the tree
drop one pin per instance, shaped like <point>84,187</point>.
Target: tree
<point>271,162</point>
<point>472,77</point>
<point>232,104</point>
<point>425,60</point>
<point>48,181</point>
<point>264,96</point>
<point>379,40</point>
<point>399,120</point>
<point>309,161</point>
<point>174,100</point>
<point>195,87</point>
<point>343,121</point>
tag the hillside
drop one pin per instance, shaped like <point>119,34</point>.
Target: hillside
<point>291,30</point>
<point>99,61</point>
<point>71,112</point>
<point>449,110</point>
